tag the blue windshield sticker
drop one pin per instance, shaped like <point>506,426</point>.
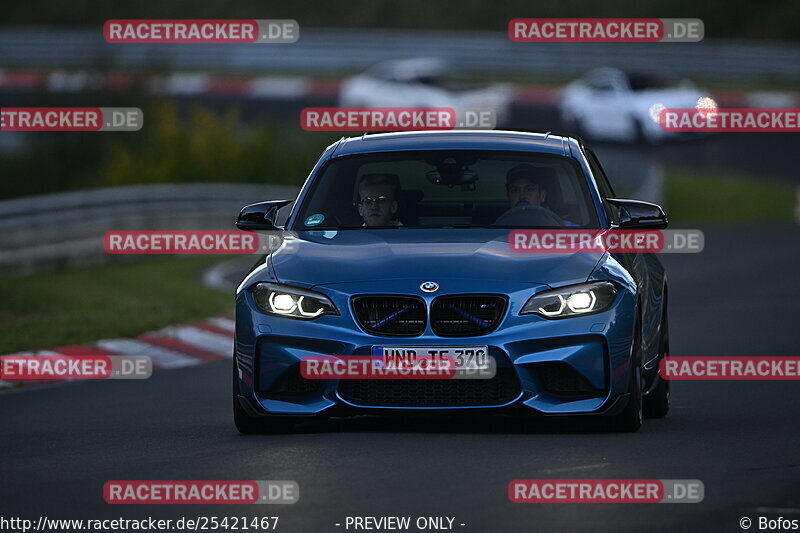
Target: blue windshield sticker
<point>315,220</point>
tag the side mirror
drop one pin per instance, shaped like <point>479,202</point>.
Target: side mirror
<point>260,216</point>
<point>634,214</point>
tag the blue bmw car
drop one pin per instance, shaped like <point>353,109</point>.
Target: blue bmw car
<point>400,243</point>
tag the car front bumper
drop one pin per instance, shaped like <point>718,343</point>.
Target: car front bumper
<point>570,366</point>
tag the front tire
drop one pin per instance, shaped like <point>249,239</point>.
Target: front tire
<point>657,403</point>
<point>630,419</point>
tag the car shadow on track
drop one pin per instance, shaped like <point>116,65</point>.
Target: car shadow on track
<point>471,425</point>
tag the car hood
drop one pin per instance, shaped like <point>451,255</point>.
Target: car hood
<point>310,258</point>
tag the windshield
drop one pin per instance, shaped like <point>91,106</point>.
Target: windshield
<point>448,189</point>
<point>644,82</point>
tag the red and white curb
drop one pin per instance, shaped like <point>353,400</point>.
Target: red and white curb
<point>175,84</point>
<point>176,346</point>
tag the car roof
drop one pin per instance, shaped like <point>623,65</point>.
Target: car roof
<point>454,140</point>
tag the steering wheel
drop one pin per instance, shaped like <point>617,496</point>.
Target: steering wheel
<point>529,215</point>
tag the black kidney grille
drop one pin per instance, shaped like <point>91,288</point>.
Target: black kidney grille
<point>390,315</point>
<point>453,316</point>
<point>503,388</point>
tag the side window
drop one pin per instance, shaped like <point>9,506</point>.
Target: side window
<point>601,85</point>
<point>606,191</point>
<point>602,180</point>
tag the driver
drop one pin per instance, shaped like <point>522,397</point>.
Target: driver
<point>377,199</point>
<point>526,186</point>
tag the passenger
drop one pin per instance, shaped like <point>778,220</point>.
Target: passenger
<point>377,202</point>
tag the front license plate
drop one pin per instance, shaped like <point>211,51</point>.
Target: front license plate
<point>464,357</point>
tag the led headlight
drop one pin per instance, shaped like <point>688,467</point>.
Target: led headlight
<point>293,302</point>
<point>573,300</point>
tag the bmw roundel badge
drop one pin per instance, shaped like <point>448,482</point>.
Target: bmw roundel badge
<point>429,286</point>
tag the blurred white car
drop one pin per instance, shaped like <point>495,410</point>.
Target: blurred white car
<point>423,82</point>
<point>611,104</point>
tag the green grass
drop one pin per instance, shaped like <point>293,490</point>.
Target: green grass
<point>48,310</point>
<point>700,197</point>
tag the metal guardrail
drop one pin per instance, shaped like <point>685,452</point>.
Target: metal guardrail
<point>336,51</point>
<point>68,228</point>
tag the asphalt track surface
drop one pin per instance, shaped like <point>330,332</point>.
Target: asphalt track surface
<point>60,444</point>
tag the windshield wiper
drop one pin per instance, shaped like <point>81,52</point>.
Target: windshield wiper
<point>464,226</point>
<point>468,226</point>
<point>443,226</point>
<point>356,227</point>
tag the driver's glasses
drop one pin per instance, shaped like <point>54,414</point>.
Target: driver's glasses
<point>369,201</point>
<point>527,189</point>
